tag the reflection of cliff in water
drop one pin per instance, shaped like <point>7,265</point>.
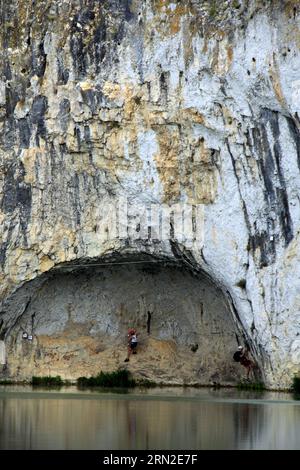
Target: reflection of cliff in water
<point>249,422</point>
<point>281,427</point>
<point>186,421</point>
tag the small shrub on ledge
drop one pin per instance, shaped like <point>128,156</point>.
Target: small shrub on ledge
<point>120,378</point>
<point>296,385</point>
<point>47,381</point>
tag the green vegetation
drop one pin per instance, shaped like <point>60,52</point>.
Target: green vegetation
<point>7,382</point>
<point>213,10</point>
<point>259,386</point>
<point>120,378</point>
<point>296,384</point>
<point>47,381</point>
<point>236,4</point>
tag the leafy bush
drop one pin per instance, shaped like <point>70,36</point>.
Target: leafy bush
<point>119,378</point>
<point>213,9</point>
<point>47,381</point>
<point>296,384</point>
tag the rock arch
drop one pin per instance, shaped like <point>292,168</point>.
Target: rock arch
<point>78,314</point>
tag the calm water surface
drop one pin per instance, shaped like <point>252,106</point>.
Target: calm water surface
<point>152,419</point>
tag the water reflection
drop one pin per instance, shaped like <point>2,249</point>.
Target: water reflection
<point>150,420</point>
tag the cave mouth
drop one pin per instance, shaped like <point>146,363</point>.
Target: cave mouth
<point>78,318</point>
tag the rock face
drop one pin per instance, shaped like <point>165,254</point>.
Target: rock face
<point>79,320</point>
<point>161,103</point>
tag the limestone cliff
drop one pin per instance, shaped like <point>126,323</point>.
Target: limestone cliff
<point>161,102</point>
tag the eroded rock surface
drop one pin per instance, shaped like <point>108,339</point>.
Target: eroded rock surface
<point>161,102</point>
<point>78,323</point>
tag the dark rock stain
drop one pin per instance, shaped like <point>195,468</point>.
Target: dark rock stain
<point>77,199</point>
<point>266,164</point>
<point>90,99</point>
<point>3,248</point>
<point>78,55</point>
<point>149,314</point>
<point>77,134</point>
<point>281,196</point>
<point>102,43</point>
<point>6,70</point>
<point>5,244</point>
<point>275,191</point>
<point>11,98</point>
<point>163,85</point>
<point>88,141</point>
<point>62,72</point>
<point>257,238</point>
<point>39,60</point>
<point>8,134</point>
<point>244,206</point>
<point>17,195</point>
<point>99,44</point>
<point>37,116</point>
<point>64,114</point>
<point>266,245</point>
<point>24,132</point>
<point>295,134</point>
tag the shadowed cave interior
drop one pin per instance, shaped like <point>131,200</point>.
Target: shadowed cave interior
<point>79,317</point>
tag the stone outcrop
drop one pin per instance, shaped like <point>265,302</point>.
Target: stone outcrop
<point>160,102</point>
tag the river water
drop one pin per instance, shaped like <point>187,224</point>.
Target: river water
<point>159,418</point>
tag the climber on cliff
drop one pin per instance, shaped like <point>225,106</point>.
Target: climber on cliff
<point>242,356</point>
<point>132,343</point>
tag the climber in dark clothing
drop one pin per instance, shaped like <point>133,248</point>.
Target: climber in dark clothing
<point>132,343</point>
